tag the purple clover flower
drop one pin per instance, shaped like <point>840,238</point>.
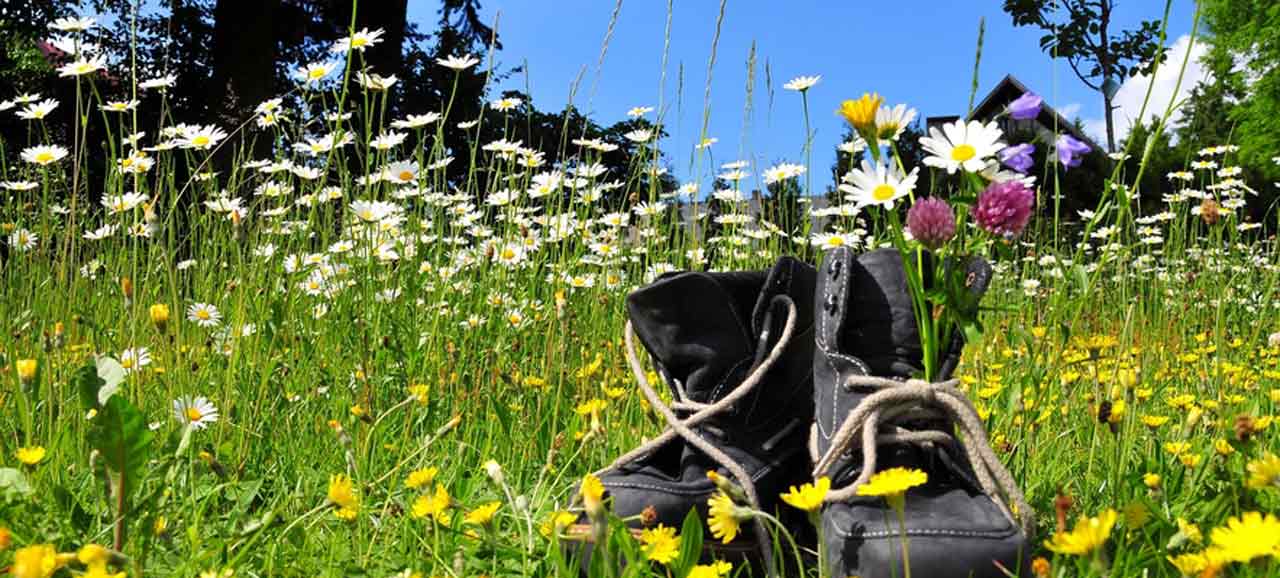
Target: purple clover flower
<point>1018,157</point>
<point>1070,150</point>
<point>1026,107</point>
<point>931,222</point>
<point>1004,208</point>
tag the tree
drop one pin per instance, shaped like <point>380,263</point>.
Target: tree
<point>1080,32</point>
<point>1246,46</point>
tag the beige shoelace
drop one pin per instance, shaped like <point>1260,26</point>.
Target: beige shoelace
<point>683,428</point>
<point>874,418</point>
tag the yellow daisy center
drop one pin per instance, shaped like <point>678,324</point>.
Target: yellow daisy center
<point>358,42</point>
<point>200,141</point>
<point>508,254</point>
<point>194,414</point>
<point>884,192</point>
<point>406,176</point>
<point>202,314</point>
<point>126,362</point>
<point>44,157</point>
<point>963,153</point>
<point>835,241</point>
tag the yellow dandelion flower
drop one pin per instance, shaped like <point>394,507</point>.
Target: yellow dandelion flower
<point>342,493</point>
<point>713,570</point>
<point>1151,480</point>
<point>1264,472</point>
<point>1223,447</point>
<point>38,561</point>
<point>31,455</point>
<point>861,113</point>
<point>1154,421</point>
<point>1176,448</point>
<point>725,517</point>
<point>556,522</point>
<point>592,495</point>
<point>91,554</point>
<point>421,477</point>
<point>892,483</point>
<point>1189,531</point>
<point>808,497</point>
<point>482,515</point>
<point>1203,564</point>
<point>434,506</point>
<point>1190,460</point>
<point>659,544</point>
<point>1087,535</point>
<point>26,369</point>
<point>1250,536</point>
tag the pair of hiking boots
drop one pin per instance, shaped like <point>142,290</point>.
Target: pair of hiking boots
<point>783,376</point>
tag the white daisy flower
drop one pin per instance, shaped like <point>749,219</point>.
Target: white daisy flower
<point>23,240</point>
<point>82,66</point>
<point>458,63</point>
<point>962,146</point>
<point>802,83</point>
<point>877,185</point>
<point>44,154</point>
<point>358,41</point>
<point>204,315</point>
<point>135,358</point>
<point>194,412</point>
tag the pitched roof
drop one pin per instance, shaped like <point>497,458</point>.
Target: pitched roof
<point>1010,88</point>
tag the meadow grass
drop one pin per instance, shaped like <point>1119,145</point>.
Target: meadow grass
<point>376,325</point>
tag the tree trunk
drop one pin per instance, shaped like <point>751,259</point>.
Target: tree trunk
<point>244,54</point>
<point>1111,131</point>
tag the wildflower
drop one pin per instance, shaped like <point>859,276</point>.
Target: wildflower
<point>782,172</point>
<point>877,185</point>
<point>1040,567</point>
<point>1087,535</point>
<point>135,358</point>
<point>808,497</point>
<point>342,493</point>
<point>6,538</point>
<point>204,315</point>
<point>1151,480</point>
<point>494,471</point>
<point>458,63</point>
<point>713,570</point>
<point>38,561</point>
<point>931,222</point>
<point>1250,536</point>
<point>890,122</point>
<point>1264,472</point>
<point>201,137</point>
<point>30,455</point>
<point>420,477</point>
<point>1004,208</point>
<point>434,506</point>
<point>159,313</point>
<point>358,41</point>
<point>1025,107</point>
<point>892,483</point>
<point>1070,150</point>
<point>725,517</point>
<point>196,413</point>
<point>26,369</point>
<point>861,113</point>
<point>556,522</point>
<point>962,146</point>
<point>802,83</point>
<point>44,154</point>
<point>1017,157</point>
<point>593,496</point>
<point>314,72</point>
<point>82,66</point>
<point>1154,421</point>
<point>38,110</point>
<point>483,515</point>
<point>659,544</point>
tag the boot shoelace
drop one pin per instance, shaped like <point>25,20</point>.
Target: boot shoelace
<point>874,418</point>
<point>683,428</point>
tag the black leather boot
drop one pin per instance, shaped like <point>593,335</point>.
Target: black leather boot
<point>956,523</point>
<point>736,351</point>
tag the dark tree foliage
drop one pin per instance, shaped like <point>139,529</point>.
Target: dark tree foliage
<point>1080,32</point>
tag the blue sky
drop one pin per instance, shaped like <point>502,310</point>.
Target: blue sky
<point>920,52</point>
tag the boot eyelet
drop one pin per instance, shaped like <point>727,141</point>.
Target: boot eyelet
<point>831,305</point>
<point>834,268</point>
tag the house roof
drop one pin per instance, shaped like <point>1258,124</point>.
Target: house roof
<point>1010,88</point>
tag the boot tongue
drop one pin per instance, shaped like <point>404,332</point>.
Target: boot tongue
<point>880,328</point>
<point>697,326</point>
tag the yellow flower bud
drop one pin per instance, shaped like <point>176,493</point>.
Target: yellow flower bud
<point>160,316</point>
<point>26,369</point>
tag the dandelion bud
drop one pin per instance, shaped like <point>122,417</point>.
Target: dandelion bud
<point>727,486</point>
<point>91,554</point>
<point>1061,505</point>
<point>160,316</point>
<point>126,288</point>
<point>1040,567</point>
<point>648,516</point>
<point>494,471</point>
<point>6,538</point>
<point>26,370</point>
<point>1151,480</point>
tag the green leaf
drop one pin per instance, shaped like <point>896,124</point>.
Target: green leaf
<point>120,434</point>
<point>690,544</point>
<point>88,383</point>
